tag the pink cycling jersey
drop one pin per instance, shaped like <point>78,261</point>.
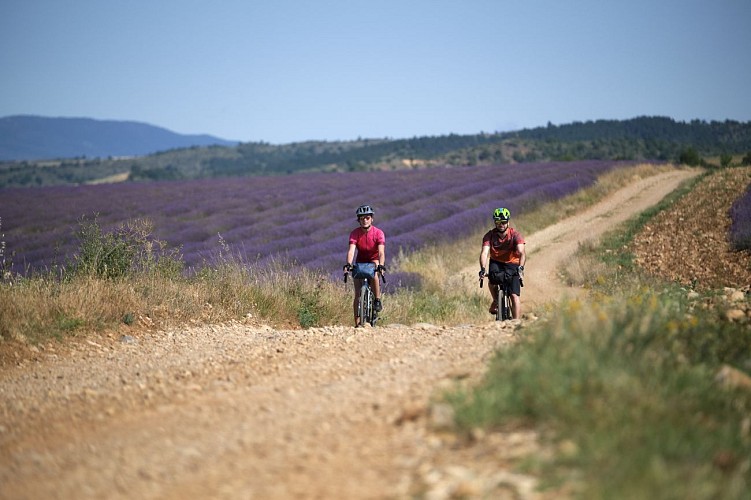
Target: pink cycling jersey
<point>367,243</point>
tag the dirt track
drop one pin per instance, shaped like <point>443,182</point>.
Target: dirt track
<point>236,411</point>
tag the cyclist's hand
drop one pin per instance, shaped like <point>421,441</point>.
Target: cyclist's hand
<point>521,272</point>
<point>347,267</point>
<point>482,272</point>
<point>381,269</point>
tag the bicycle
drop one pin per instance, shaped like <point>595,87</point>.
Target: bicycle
<point>504,311</point>
<point>366,310</point>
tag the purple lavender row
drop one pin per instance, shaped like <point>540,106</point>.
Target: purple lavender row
<point>304,217</point>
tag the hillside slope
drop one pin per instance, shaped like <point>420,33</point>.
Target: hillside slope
<point>242,410</point>
<point>641,139</point>
<point>37,138</point>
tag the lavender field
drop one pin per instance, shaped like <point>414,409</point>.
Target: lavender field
<point>305,218</point>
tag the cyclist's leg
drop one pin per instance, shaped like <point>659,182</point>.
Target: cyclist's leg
<point>375,288</point>
<point>356,301</point>
<point>500,304</point>
<point>516,302</point>
<point>375,285</point>
<point>516,306</point>
<point>494,289</point>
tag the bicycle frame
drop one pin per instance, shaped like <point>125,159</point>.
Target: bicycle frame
<point>504,311</point>
<point>366,305</point>
<point>505,302</point>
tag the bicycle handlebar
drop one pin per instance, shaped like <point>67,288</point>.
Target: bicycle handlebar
<point>380,274</point>
<point>521,280</point>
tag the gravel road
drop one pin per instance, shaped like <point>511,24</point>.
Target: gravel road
<point>245,411</point>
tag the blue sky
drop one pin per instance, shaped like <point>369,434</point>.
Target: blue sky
<point>284,71</point>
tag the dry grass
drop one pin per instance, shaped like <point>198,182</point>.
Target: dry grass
<point>33,310</point>
<point>41,307</point>
<point>437,264</point>
<point>586,267</point>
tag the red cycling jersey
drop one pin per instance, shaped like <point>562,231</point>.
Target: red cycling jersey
<point>503,248</point>
<point>367,243</point>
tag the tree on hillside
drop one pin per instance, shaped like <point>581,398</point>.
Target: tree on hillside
<point>726,160</point>
<point>690,157</point>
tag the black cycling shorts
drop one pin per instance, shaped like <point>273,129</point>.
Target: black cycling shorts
<point>497,270</point>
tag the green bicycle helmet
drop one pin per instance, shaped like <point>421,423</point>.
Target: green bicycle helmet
<point>501,214</point>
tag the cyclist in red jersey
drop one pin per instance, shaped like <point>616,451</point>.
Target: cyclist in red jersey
<point>504,248</point>
<point>368,243</point>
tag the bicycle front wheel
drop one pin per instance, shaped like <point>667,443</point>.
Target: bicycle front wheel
<point>506,306</point>
<point>366,304</point>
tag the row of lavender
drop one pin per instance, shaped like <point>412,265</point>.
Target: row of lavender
<point>305,218</point>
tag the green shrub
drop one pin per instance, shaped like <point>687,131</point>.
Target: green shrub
<point>128,249</point>
<point>690,157</point>
<point>726,160</point>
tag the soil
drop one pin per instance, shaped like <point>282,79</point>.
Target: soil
<point>689,244</point>
<point>245,411</point>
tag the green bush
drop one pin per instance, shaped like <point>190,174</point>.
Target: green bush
<point>726,160</point>
<point>690,157</point>
<point>129,249</point>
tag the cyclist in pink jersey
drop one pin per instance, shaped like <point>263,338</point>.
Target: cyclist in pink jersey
<point>367,243</point>
<point>503,249</point>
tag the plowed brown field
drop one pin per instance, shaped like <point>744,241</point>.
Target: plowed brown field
<point>689,243</point>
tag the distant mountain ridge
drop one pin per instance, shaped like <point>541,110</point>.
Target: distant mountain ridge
<point>26,137</point>
<point>643,138</point>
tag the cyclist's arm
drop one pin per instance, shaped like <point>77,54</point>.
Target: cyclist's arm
<point>520,248</point>
<point>351,253</point>
<point>484,256</point>
<point>382,254</point>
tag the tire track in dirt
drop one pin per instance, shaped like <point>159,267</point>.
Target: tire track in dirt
<point>548,249</point>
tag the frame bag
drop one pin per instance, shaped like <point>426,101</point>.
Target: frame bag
<point>364,270</point>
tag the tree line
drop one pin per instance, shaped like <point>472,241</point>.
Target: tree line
<point>696,142</point>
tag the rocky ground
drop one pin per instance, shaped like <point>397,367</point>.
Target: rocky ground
<point>244,411</point>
